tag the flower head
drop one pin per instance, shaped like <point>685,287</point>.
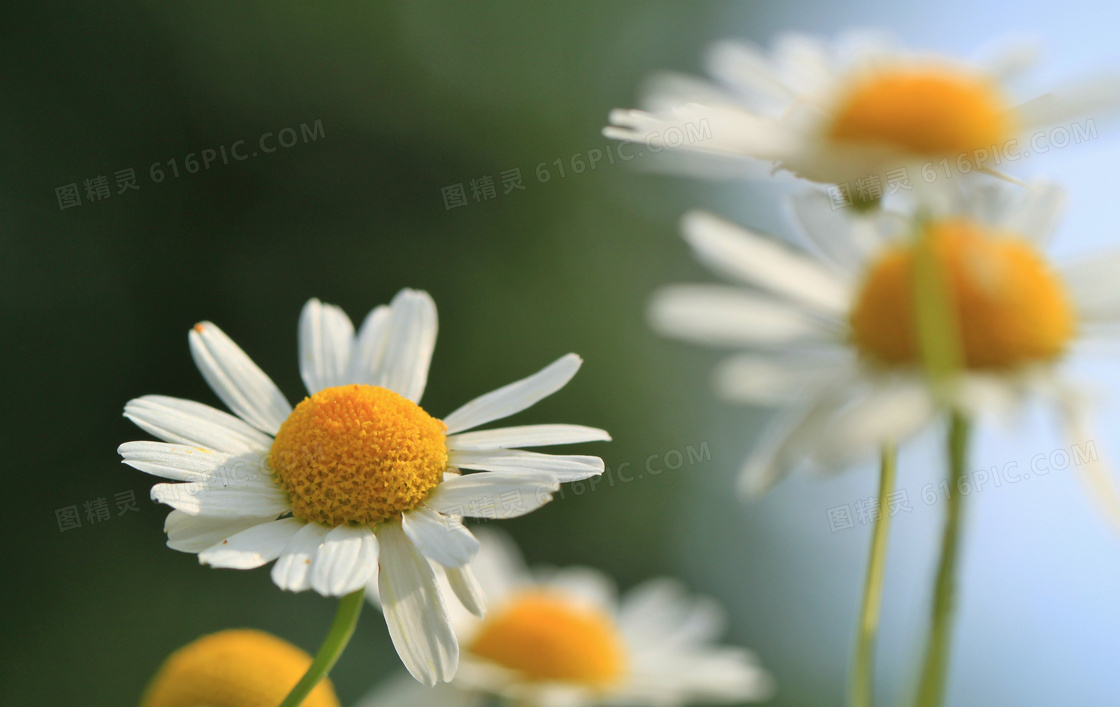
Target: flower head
<point>859,106</point>
<point>835,338</point>
<point>234,668</point>
<point>563,637</point>
<point>357,474</point>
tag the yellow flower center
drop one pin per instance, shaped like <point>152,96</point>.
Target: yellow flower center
<point>359,455</point>
<point>548,638</point>
<point>237,668</point>
<point>1009,305</point>
<point>924,111</point>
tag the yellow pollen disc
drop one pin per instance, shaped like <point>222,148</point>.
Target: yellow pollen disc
<point>238,668</point>
<point>924,111</point>
<point>1010,307</point>
<point>547,638</point>
<point>358,455</point>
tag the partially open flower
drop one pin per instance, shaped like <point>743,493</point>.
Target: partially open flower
<point>235,668</point>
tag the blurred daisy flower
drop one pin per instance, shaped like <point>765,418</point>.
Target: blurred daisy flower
<point>562,637</point>
<point>356,475</point>
<point>834,336</point>
<point>836,112</point>
<point>235,668</point>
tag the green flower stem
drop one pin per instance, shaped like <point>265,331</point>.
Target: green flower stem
<point>341,630</point>
<point>931,690</point>
<point>863,672</point>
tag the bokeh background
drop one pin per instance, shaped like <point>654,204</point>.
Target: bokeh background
<point>96,300</point>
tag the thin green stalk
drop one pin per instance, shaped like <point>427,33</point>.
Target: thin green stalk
<point>931,690</point>
<point>863,672</point>
<point>342,628</point>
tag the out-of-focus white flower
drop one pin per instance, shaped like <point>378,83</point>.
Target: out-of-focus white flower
<point>833,337</point>
<point>561,638</point>
<point>859,106</point>
<point>358,474</point>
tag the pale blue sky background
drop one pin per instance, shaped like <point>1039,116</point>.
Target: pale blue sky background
<point>1039,620</point>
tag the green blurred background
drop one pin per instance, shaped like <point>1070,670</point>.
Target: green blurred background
<point>96,301</point>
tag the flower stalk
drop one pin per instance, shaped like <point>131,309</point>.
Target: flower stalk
<point>342,628</point>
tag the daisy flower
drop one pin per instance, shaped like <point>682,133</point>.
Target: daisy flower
<point>835,112</point>
<point>562,638</point>
<point>357,475</point>
<point>832,336</point>
<point>234,668</point>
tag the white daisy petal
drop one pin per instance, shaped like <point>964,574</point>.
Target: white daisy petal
<point>467,589</point>
<point>177,462</point>
<point>769,380</point>
<point>369,346</point>
<point>563,468</point>
<point>326,338</point>
<point>292,570</point>
<point>494,494</point>
<point>252,548</point>
<point>233,376</point>
<point>744,255</point>
<point>890,413</point>
<point>728,316</point>
<point>260,498</point>
<point>345,562</point>
<point>440,538</point>
<point>1036,214</point>
<point>526,436</point>
<point>411,341</point>
<point>194,424</point>
<point>191,533</point>
<point>414,610</point>
<point>515,397</point>
<point>1092,285</point>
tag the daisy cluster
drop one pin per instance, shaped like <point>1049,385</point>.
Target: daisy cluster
<point>931,302</point>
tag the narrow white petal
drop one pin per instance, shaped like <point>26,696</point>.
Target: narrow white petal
<point>293,570</point>
<point>443,539</point>
<point>177,462</point>
<point>526,436</point>
<point>190,533</point>
<point>467,589</point>
<point>847,239</point>
<point>728,316</point>
<point>186,422</point>
<point>414,610</point>
<point>252,548</point>
<point>770,380</point>
<point>411,341</point>
<point>326,338</point>
<point>746,256</point>
<point>233,376</point>
<point>891,412</point>
<point>345,562</point>
<point>1036,212</point>
<point>494,494</point>
<point>563,468</point>
<point>515,397</point>
<point>369,346</point>
<point>217,496</point>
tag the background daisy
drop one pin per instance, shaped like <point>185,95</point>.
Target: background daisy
<point>355,476</point>
<point>858,106</point>
<point>563,637</point>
